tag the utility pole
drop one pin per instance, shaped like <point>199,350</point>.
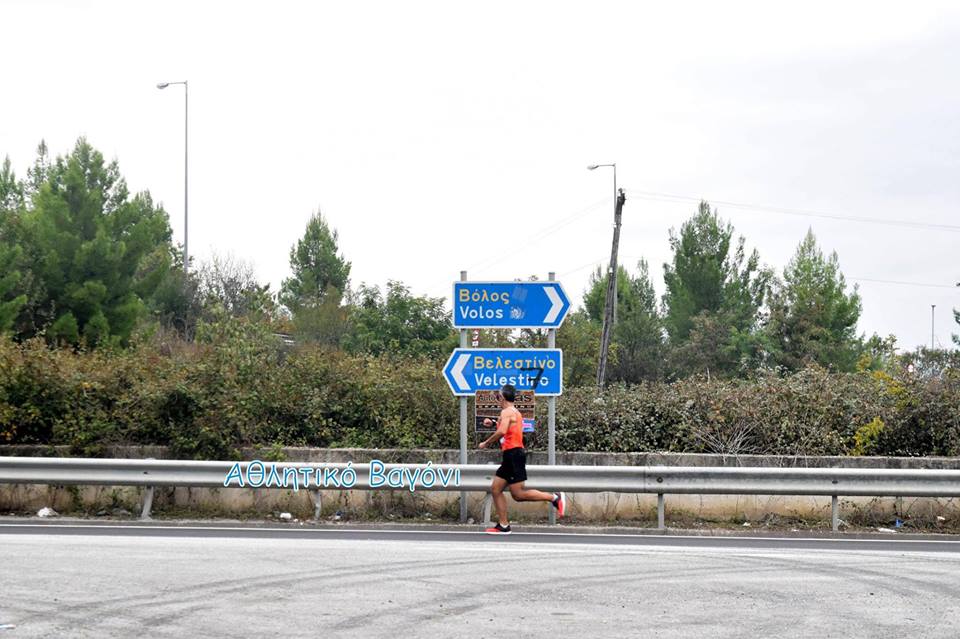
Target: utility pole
<point>609,313</point>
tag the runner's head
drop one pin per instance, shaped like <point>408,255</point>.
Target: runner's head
<point>508,393</point>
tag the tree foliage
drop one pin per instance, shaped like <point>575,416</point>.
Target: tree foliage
<point>812,317</point>
<point>637,340</point>
<point>10,301</point>
<point>231,283</point>
<point>88,240</point>
<point>398,322</point>
<point>316,267</point>
<point>177,302</point>
<point>714,292</point>
<point>11,189</point>
<point>956,318</point>
<point>325,323</point>
<point>11,254</point>
<point>579,338</point>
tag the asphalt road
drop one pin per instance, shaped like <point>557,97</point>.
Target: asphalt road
<point>161,581</point>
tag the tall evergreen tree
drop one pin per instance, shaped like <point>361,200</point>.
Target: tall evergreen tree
<point>812,317</point>
<point>11,190</point>
<point>316,267</point>
<point>714,293</point>
<point>37,174</point>
<point>11,300</point>
<point>11,202</point>
<point>87,239</point>
<point>595,297</point>
<point>637,344</point>
<point>638,334</point>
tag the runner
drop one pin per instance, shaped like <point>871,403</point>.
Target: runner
<point>513,470</point>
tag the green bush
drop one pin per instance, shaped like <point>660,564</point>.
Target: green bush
<point>238,385</point>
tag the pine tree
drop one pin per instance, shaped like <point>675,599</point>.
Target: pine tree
<point>713,299</point>
<point>637,345</point>
<point>11,190</point>
<point>87,240</point>
<point>812,317</point>
<point>316,267</point>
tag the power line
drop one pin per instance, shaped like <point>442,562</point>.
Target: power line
<point>599,261</point>
<point>530,239</point>
<point>580,268</point>
<point>668,197</point>
<point>868,279</point>
<point>539,235</point>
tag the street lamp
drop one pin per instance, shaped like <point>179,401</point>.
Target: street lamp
<point>933,307</point>
<point>186,252</point>
<point>610,312</point>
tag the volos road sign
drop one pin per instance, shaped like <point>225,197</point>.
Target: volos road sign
<point>473,369</point>
<point>509,304</point>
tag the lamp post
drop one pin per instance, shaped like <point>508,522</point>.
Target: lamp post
<point>932,319</point>
<point>610,310</point>
<point>186,252</point>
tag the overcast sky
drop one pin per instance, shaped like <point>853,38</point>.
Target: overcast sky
<point>444,136</point>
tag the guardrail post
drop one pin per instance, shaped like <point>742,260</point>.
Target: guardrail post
<point>147,503</point>
<point>487,508</point>
<point>660,512</point>
<point>835,513</point>
<point>315,498</point>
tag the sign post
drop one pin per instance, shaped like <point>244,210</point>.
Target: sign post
<point>552,412</point>
<point>463,423</point>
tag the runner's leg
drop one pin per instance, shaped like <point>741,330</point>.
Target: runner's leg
<point>499,500</point>
<point>521,493</point>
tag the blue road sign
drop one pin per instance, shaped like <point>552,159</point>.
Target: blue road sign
<point>473,369</point>
<point>509,304</point>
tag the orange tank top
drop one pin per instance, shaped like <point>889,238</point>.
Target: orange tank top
<point>514,436</point>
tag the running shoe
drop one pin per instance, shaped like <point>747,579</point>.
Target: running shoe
<point>560,503</point>
<point>498,530</point>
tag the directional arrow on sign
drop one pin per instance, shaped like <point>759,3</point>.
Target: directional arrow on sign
<point>456,372</point>
<point>557,303</point>
<point>471,369</point>
<point>509,304</point>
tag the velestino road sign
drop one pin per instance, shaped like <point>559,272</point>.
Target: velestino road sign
<point>509,304</point>
<point>472,369</point>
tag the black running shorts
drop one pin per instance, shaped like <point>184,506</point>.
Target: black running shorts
<point>513,469</point>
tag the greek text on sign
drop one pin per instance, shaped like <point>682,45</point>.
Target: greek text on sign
<point>509,304</point>
<point>473,369</point>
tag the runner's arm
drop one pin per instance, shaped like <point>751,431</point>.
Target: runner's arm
<point>502,425</point>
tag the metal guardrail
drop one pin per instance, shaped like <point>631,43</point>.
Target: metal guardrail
<point>659,480</point>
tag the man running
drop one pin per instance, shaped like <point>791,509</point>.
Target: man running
<point>513,470</point>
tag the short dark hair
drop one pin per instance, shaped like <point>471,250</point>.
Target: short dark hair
<point>508,392</point>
